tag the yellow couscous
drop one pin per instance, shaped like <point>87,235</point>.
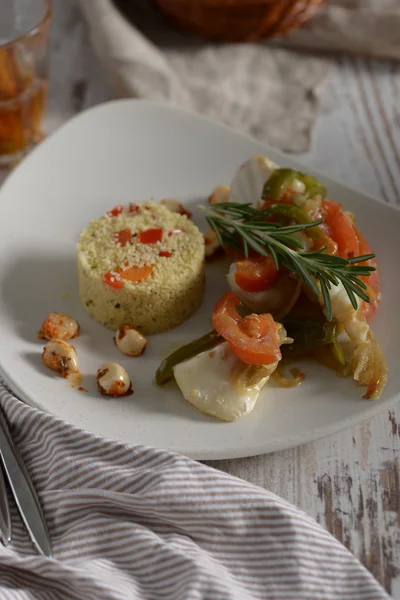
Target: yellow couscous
<point>141,265</point>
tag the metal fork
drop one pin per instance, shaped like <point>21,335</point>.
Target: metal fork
<point>5,519</point>
<point>23,492</point>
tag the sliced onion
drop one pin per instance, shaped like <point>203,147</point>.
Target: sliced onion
<point>296,379</point>
<point>283,336</point>
<point>369,367</point>
<point>290,301</point>
<point>278,300</point>
<point>325,357</point>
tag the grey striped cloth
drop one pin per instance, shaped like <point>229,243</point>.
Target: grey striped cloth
<point>131,522</point>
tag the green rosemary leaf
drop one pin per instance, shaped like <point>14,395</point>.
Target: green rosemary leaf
<point>331,278</point>
<point>358,259</point>
<point>246,248</point>
<point>359,283</point>
<point>348,284</point>
<point>253,242</point>
<point>326,298</point>
<point>218,231</point>
<point>242,227</point>
<point>288,240</point>
<point>359,271</point>
<point>331,260</point>
<point>274,256</point>
<point>351,294</point>
<point>305,276</point>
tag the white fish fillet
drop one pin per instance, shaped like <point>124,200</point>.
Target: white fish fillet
<point>217,383</point>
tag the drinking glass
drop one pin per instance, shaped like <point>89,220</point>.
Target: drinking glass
<point>24,57</point>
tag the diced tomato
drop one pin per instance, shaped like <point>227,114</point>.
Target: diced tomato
<point>351,243</point>
<point>339,227</point>
<point>117,210</point>
<point>330,209</point>
<point>150,236</point>
<point>133,209</point>
<point>110,279</point>
<point>372,281</point>
<point>254,339</point>
<point>136,274</point>
<point>287,198</point>
<point>174,232</point>
<point>123,237</point>
<point>256,275</point>
<point>165,253</point>
<point>344,235</point>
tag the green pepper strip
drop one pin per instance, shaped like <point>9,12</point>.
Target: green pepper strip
<point>308,333</point>
<point>313,186</point>
<point>165,371</point>
<point>337,354</point>
<point>296,214</point>
<point>281,179</point>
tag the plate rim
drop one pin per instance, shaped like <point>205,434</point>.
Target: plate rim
<point>293,441</point>
<point>196,116</point>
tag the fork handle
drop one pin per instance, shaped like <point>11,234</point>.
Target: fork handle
<point>5,519</point>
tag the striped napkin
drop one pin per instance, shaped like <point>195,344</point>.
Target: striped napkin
<point>133,523</point>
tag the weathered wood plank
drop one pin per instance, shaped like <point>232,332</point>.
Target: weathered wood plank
<point>349,483</point>
<point>350,140</point>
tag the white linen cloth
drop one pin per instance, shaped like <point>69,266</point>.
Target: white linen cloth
<point>134,523</point>
<point>264,89</point>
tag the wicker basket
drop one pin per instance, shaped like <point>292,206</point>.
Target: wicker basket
<point>239,20</point>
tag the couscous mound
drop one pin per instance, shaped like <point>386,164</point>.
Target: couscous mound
<point>141,265</point>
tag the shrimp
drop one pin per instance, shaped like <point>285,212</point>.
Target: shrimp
<point>129,341</point>
<point>113,380</point>
<point>219,194</point>
<point>212,245</point>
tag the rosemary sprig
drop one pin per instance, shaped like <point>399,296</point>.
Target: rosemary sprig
<point>241,227</point>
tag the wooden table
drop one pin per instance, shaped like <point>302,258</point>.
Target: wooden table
<point>349,482</point>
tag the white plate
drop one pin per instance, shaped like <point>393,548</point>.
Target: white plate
<point>131,150</point>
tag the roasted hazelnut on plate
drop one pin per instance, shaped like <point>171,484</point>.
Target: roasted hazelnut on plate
<point>61,356</point>
<point>113,380</point>
<point>129,341</point>
<point>58,326</point>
